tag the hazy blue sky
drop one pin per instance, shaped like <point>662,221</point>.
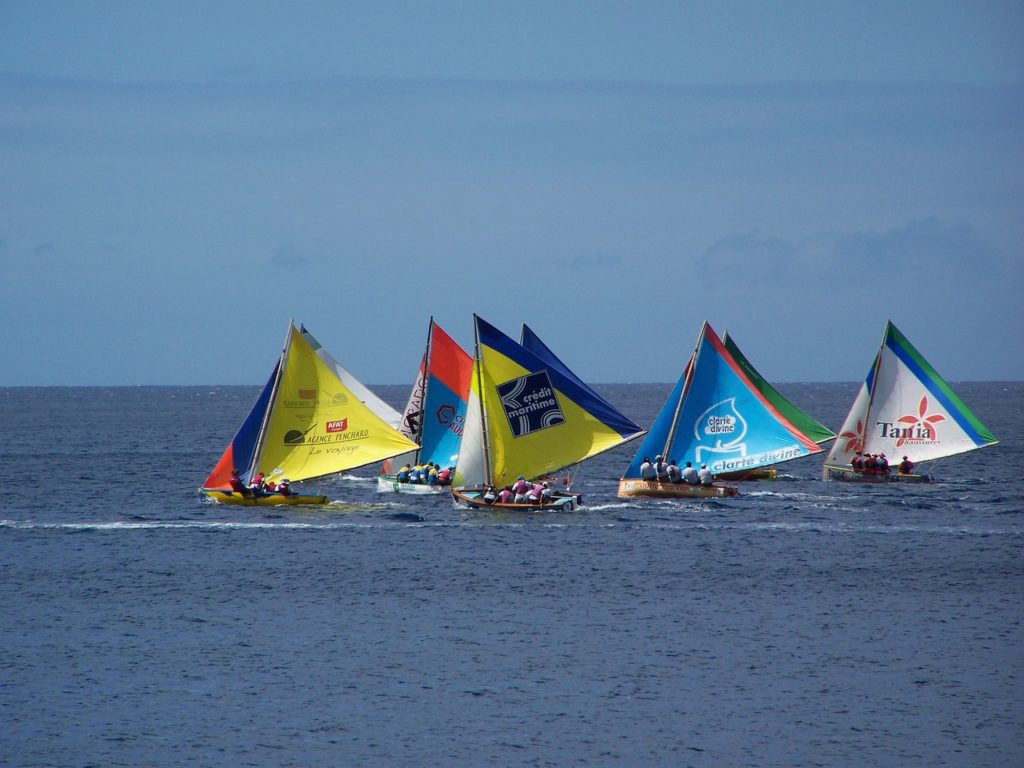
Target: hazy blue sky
<point>178,179</point>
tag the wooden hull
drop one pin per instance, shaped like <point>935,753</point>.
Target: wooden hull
<point>266,500</point>
<point>388,484</point>
<point>473,497</point>
<point>760,473</point>
<point>846,474</point>
<point>631,487</point>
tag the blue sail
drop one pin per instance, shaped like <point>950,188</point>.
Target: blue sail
<point>716,416</point>
<point>532,342</point>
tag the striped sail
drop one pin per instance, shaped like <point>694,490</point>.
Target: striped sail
<point>715,415</point>
<point>904,408</point>
<point>240,453</point>
<point>532,342</point>
<point>815,430</point>
<point>527,417</point>
<point>436,411</point>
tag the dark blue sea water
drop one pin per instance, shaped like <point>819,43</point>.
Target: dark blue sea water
<point>801,624</point>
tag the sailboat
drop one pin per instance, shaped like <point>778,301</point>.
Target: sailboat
<point>436,411</point>
<point>716,416</point>
<point>305,424</point>
<point>813,429</point>
<point>903,408</point>
<point>528,417</point>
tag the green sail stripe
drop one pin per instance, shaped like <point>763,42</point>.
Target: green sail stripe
<point>816,431</point>
<point>894,338</point>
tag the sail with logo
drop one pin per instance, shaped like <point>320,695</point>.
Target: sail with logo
<point>433,418</point>
<point>532,342</point>
<point>305,424</point>
<point>527,419</point>
<point>714,416</point>
<point>364,394</point>
<point>813,429</point>
<point>905,412</point>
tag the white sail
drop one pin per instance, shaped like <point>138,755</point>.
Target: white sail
<point>471,469</point>
<point>904,408</point>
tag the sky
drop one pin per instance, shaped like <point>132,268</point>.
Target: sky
<point>178,180</point>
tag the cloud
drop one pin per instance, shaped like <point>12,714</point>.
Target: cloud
<point>287,256</point>
<point>589,261</point>
<point>914,253</point>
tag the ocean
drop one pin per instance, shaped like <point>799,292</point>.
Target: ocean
<point>802,623</point>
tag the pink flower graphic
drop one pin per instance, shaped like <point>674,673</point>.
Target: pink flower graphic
<point>921,421</point>
<point>854,440</point>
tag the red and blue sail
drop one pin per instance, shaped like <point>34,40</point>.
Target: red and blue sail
<point>447,376</point>
<point>241,451</point>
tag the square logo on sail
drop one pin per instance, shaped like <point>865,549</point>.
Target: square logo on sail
<point>530,404</point>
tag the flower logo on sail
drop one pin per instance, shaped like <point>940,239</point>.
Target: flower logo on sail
<point>854,440</point>
<point>921,426</point>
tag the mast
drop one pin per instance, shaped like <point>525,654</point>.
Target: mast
<point>874,386</point>
<point>273,398</point>
<point>418,439</point>
<point>682,396</point>
<point>488,472</point>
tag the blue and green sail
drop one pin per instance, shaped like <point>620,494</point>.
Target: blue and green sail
<point>814,429</point>
<point>715,415</point>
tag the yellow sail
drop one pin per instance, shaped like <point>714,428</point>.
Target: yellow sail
<point>317,426</point>
<point>526,417</point>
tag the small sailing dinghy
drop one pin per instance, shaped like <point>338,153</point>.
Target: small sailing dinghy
<point>528,416</point>
<point>903,408</point>
<point>714,416</point>
<point>435,413</point>
<point>305,424</point>
<point>813,429</point>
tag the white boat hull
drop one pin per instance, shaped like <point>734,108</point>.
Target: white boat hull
<point>388,484</point>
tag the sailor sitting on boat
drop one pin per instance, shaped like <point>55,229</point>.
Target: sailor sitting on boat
<point>520,488</point>
<point>706,478</point>
<point>237,485</point>
<point>647,471</point>
<point>690,474</point>
<point>661,468</point>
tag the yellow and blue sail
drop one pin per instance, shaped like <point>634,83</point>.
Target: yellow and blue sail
<point>533,343</point>
<point>715,415</point>
<point>529,416</point>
